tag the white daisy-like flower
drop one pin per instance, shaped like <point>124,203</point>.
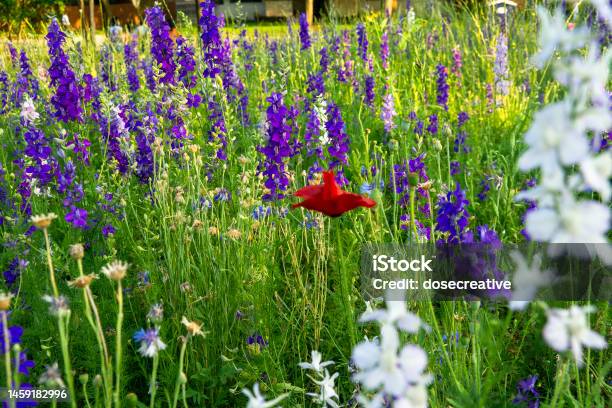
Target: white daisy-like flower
<point>568,329</point>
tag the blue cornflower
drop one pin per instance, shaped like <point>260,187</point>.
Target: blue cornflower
<point>150,342</point>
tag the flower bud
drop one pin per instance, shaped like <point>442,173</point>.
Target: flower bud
<point>77,251</point>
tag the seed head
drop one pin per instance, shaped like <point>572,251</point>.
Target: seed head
<point>43,221</point>
<point>77,251</point>
<point>192,327</point>
<point>115,270</point>
<point>83,281</point>
<point>5,300</point>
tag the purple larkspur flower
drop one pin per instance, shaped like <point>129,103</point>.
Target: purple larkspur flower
<point>316,84</point>
<point>500,68</point>
<point>455,168</point>
<point>452,215</point>
<point>161,43</point>
<point>384,49</point>
<point>432,127</point>
<point>362,41</point>
<point>442,84</point>
<point>281,143</point>
<point>304,34</point>
<point>130,56</point>
<point>527,392</point>
<point>324,60</point>
<point>106,68</point>
<point>457,62</point>
<point>26,82</point>
<point>77,217</point>
<point>108,230</point>
<point>339,141</point>
<point>218,130</point>
<point>66,99</point>
<point>186,62</point>
<point>368,92</point>
<point>211,38</point>
<point>387,112</point>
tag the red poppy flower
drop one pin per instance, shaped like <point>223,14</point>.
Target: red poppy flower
<point>329,199</point>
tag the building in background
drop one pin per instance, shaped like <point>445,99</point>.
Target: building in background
<point>125,13</point>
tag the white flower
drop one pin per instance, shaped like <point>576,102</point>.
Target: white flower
<point>555,35</point>
<point>572,222</point>
<point>28,110</point>
<point>381,367</point>
<point>395,314</point>
<point>256,400</point>
<point>553,138</point>
<point>569,330</point>
<point>65,20</point>
<point>527,280</point>
<point>316,364</point>
<point>415,396</point>
<point>587,77</point>
<point>596,172</point>
<point>327,390</point>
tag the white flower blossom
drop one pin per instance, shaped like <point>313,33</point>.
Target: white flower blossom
<point>569,330</point>
<point>555,35</point>
<point>316,364</point>
<point>596,172</point>
<point>257,400</point>
<point>527,280</point>
<point>572,222</point>
<point>395,314</point>
<point>28,111</point>
<point>327,391</point>
<point>381,367</point>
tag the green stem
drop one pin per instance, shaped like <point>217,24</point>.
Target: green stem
<point>66,356</point>
<point>7,355</point>
<point>153,386</point>
<point>97,328</point>
<point>177,387</point>
<point>118,345</point>
<point>50,264</point>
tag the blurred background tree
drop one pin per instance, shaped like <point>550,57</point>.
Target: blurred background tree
<point>17,15</point>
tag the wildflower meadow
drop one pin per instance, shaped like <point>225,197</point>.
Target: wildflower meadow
<point>188,209</point>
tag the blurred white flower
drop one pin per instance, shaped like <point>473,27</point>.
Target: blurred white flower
<point>555,36</point>
<point>316,364</point>
<point>553,139</point>
<point>572,222</point>
<point>569,330</point>
<point>65,20</point>
<point>527,280</point>
<point>596,172</point>
<point>256,400</point>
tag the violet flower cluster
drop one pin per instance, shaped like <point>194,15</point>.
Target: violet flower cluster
<point>66,99</point>
<point>161,43</point>
<point>280,132</point>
